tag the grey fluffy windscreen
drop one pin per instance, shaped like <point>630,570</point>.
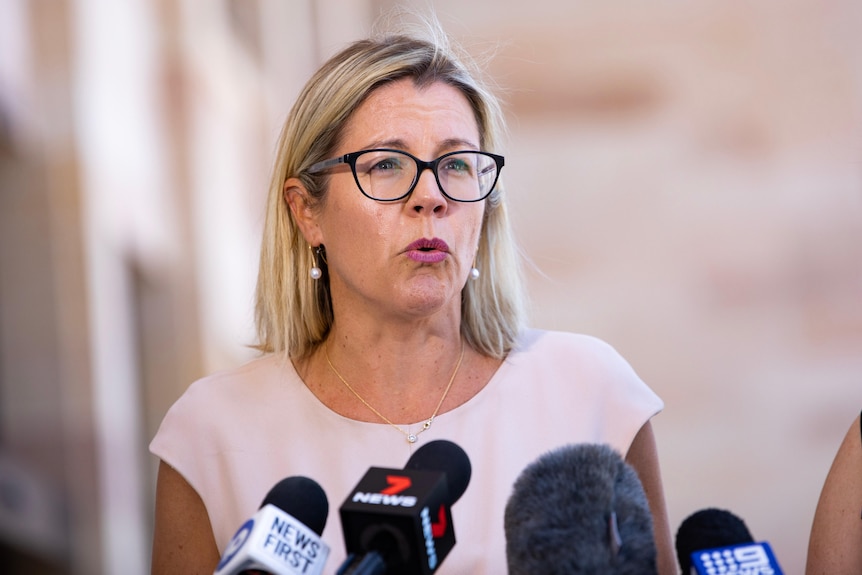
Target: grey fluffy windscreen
<point>579,509</point>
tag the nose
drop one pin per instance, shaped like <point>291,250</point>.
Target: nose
<point>427,196</point>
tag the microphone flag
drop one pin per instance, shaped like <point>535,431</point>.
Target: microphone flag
<point>745,559</point>
<point>276,542</point>
<point>405,511</point>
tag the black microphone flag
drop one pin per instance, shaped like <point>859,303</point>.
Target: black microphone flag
<point>400,520</point>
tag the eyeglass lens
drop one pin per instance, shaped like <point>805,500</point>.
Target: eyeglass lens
<point>389,175</point>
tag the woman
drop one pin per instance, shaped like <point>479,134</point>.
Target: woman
<point>389,308</point>
<point>835,545</point>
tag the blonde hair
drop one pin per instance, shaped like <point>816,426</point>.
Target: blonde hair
<point>293,312</point>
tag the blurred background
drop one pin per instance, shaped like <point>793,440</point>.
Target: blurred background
<point>686,180</point>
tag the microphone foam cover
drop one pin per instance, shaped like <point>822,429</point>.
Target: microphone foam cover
<point>576,510</point>
<point>447,457</point>
<point>303,498</point>
<point>707,529</point>
<point>443,455</point>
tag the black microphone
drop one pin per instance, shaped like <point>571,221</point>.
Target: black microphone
<point>400,520</point>
<point>283,537</point>
<point>715,540</point>
<point>708,529</point>
<point>580,509</point>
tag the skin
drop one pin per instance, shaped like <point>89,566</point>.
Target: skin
<point>183,540</point>
<point>835,545</point>
<point>643,457</point>
<point>396,333</point>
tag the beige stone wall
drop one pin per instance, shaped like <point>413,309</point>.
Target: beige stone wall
<point>688,182</point>
<point>686,179</point>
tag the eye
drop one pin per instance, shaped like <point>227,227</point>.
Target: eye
<point>457,165</point>
<point>387,164</point>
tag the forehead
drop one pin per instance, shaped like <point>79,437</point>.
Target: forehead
<point>401,111</point>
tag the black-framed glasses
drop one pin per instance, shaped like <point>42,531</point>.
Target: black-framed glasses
<point>389,175</point>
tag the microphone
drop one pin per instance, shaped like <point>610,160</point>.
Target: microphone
<point>712,541</point>
<point>283,537</point>
<point>579,509</point>
<point>400,520</point>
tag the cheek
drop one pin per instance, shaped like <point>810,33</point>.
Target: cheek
<point>376,226</point>
<point>361,228</point>
<point>477,221</point>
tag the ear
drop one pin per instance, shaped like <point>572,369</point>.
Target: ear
<point>300,204</point>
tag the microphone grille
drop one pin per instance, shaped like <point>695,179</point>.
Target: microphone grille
<point>707,529</point>
<point>301,497</point>
<point>448,457</point>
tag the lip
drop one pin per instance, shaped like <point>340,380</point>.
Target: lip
<point>428,251</point>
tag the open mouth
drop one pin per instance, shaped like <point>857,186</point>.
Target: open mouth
<point>429,245</point>
<point>428,250</point>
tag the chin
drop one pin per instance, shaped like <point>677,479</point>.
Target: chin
<point>427,299</point>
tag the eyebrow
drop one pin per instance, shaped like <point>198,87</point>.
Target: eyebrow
<point>447,144</point>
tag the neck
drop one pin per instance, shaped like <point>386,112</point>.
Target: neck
<point>395,334</point>
<point>395,350</point>
<point>407,362</point>
<point>410,435</point>
<point>402,378</point>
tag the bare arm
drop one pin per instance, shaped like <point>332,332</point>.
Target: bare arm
<point>183,540</point>
<point>835,545</point>
<point>643,457</point>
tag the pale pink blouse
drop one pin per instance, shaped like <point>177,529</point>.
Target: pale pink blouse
<point>234,434</point>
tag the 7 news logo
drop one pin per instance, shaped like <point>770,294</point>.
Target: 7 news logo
<point>391,495</point>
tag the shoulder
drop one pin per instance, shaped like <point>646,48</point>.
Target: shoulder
<point>571,388</point>
<point>225,399</point>
<point>544,340</point>
<point>836,530</point>
<point>235,384</point>
<point>585,351</point>
<point>578,366</point>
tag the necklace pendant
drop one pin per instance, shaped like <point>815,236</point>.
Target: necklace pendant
<point>411,438</point>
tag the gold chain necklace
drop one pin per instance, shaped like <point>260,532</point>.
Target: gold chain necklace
<point>411,437</point>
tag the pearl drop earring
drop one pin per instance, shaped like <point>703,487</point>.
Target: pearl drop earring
<point>315,272</point>
<point>474,271</point>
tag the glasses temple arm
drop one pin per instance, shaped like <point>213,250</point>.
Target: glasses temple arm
<point>326,164</point>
